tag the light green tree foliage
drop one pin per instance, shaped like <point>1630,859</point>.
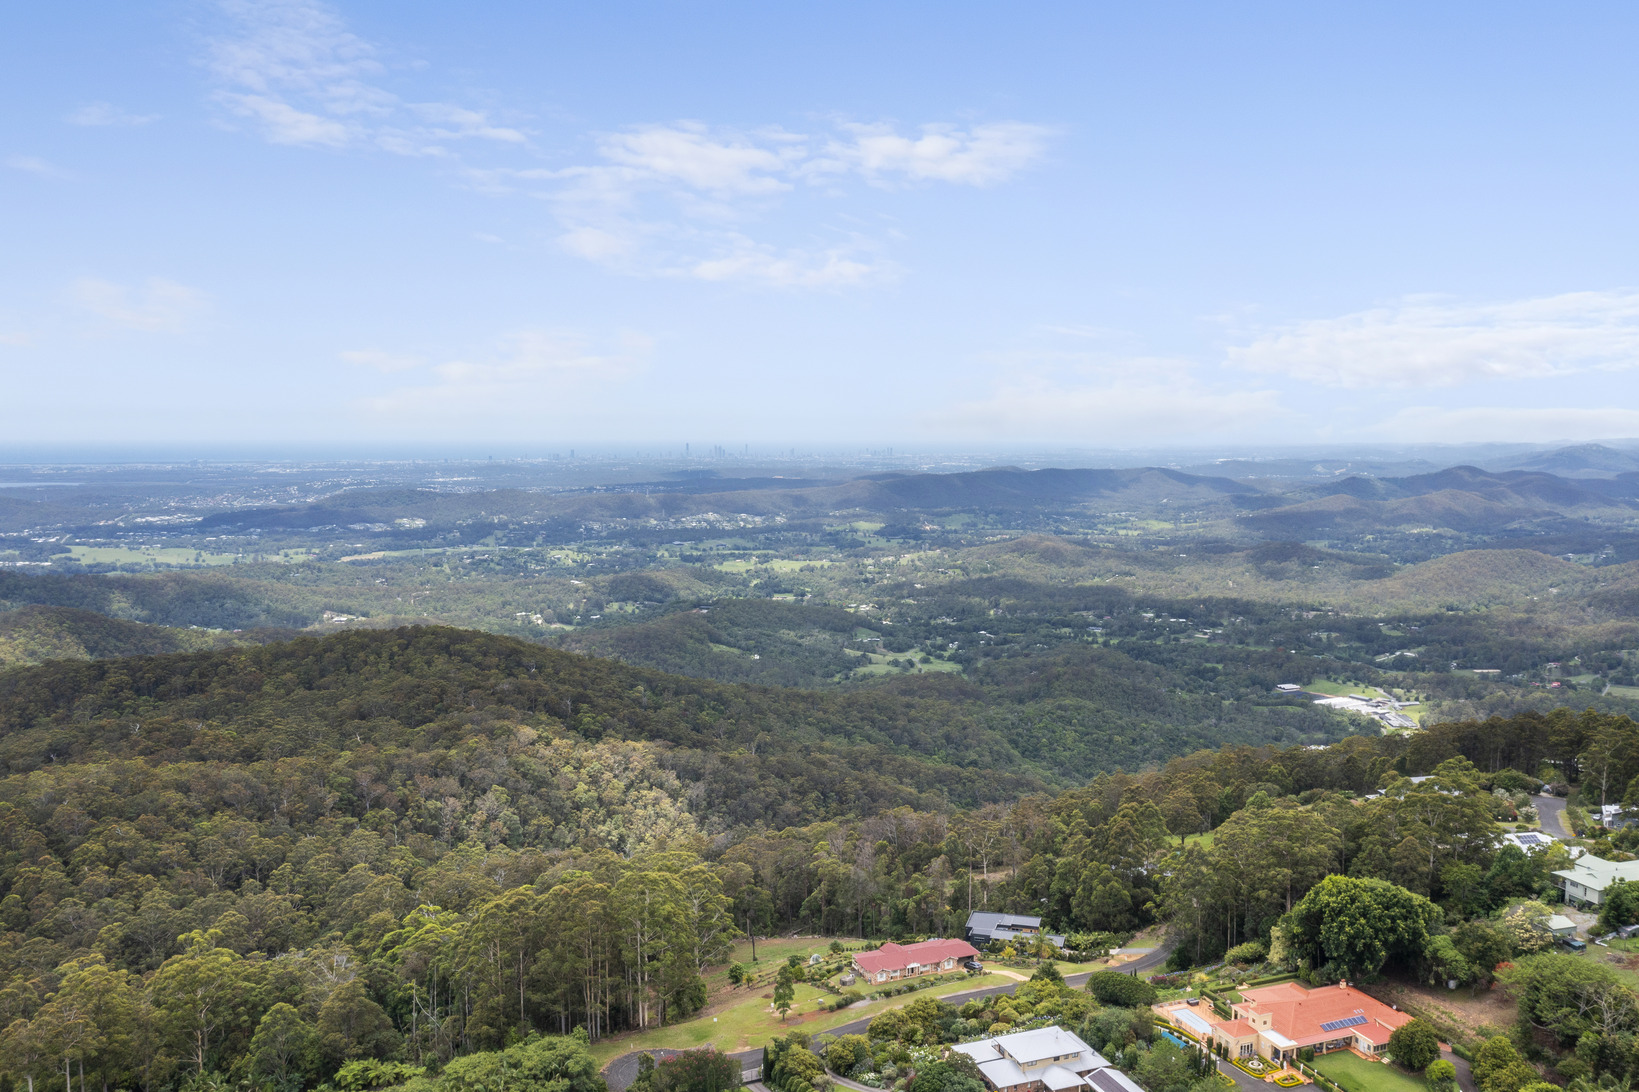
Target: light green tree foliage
<point>1441,1075</point>
<point>1446,962</point>
<point>285,1048</point>
<point>201,995</point>
<point>1526,924</point>
<point>549,1064</point>
<point>1494,1054</point>
<point>1353,926</point>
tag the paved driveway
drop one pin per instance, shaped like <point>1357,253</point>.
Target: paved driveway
<point>1551,810</point>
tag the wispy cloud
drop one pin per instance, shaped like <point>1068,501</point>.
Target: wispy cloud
<point>983,155</point>
<point>159,306</point>
<point>32,164</point>
<point>294,70</point>
<point>104,113</point>
<point>662,200</point>
<point>673,199</point>
<point>1438,343</point>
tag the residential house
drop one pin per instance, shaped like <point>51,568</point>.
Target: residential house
<point>1588,878</point>
<point>1045,1060</point>
<point>1532,841</point>
<point>893,961</point>
<point>984,927</point>
<point>1279,1021</point>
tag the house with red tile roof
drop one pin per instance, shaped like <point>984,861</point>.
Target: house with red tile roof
<point>893,961</point>
<point>1278,1021</point>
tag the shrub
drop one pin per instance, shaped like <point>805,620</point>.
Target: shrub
<point>1253,951</point>
<point>1114,988</point>
<point>1441,1075</point>
<point>1415,1044</point>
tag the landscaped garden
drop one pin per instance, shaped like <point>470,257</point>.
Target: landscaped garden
<point>1352,1073</point>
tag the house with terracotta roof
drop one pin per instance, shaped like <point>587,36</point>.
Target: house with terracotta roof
<point>1044,1060</point>
<point>893,961</point>
<point>1278,1021</point>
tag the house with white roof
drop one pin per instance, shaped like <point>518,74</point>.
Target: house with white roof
<point>1531,841</point>
<point>1045,1060</point>
<point>1589,877</point>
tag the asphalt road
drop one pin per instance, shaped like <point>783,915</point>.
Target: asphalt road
<point>1551,811</point>
<point>622,1071</point>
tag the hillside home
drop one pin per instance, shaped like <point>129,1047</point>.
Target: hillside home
<point>1278,1021</point>
<point>892,961</point>
<point>984,927</point>
<point>1586,881</point>
<point>1045,1060</point>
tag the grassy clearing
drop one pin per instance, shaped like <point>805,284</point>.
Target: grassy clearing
<point>742,1019</point>
<point>1352,1073</point>
<point>1204,840</point>
<point>168,556</point>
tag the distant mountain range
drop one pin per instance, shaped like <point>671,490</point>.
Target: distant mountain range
<point>1547,493</point>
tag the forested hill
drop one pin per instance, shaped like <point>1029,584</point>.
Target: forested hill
<point>431,702</point>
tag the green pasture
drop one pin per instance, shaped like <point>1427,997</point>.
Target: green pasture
<point>174,556</point>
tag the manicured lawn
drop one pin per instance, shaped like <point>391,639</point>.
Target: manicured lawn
<point>1352,1073</point>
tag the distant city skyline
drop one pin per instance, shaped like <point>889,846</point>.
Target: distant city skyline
<point>373,227</point>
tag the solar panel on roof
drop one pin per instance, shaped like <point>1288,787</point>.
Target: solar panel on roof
<point>1339,1025</point>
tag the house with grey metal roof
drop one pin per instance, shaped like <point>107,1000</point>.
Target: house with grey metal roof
<point>983,927</point>
<point>1044,1060</point>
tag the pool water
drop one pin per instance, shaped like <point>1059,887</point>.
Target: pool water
<point>1175,1038</point>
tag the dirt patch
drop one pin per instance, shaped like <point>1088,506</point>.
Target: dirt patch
<point>1471,1018</point>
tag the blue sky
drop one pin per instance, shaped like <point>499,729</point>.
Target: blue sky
<point>954,224</point>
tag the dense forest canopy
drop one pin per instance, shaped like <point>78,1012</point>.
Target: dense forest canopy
<point>411,844</point>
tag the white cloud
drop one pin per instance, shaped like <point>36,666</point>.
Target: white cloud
<point>32,164</point>
<point>282,123</point>
<point>835,268</point>
<point>688,153</point>
<point>1437,343</point>
<point>980,156</point>
<point>293,67</point>
<point>104,113</point>
<point>383,362</point>
<point>659,200</point>
<point>667,200</point>
<point>160,306</point>
<point>1483,424</point>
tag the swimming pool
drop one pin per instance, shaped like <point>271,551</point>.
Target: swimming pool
<point>1174,1038</point>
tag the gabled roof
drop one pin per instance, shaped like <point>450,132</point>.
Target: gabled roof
<point>897,957</point>
<point>1598,873</point>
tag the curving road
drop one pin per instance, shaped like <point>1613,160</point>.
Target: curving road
<point>622,1071</point>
